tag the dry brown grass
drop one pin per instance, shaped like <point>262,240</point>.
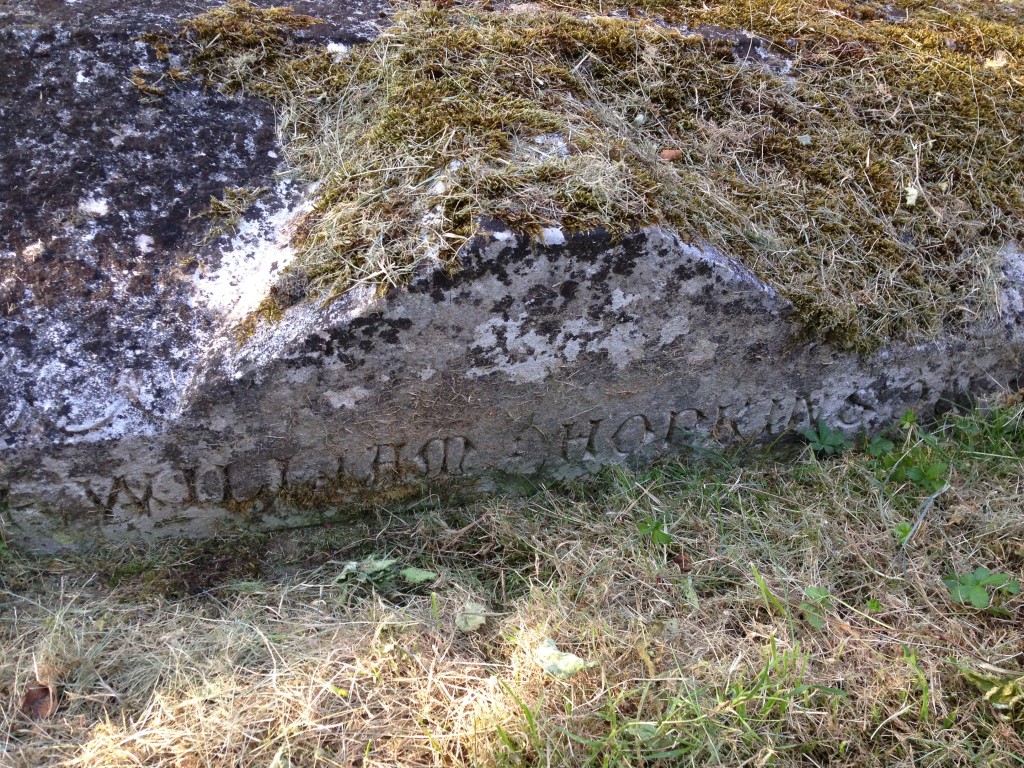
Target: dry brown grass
<point>163,664</point>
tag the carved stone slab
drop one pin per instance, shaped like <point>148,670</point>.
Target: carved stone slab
<point>128,409</point>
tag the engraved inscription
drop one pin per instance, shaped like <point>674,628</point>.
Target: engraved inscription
<point>313,469</point>
<point>632,434</point>
<point>857,408</point>
<point>436,457</point>
<point>779,415</point>
<point>805,412</point>
<point>456,454</point>
<point>131,496</point>
<point>387,462</point>
<point>432,457</point>
<point>249,478</point>
<point>580,441</point>
<point>210,485</point>
<point>682,425</point>
<point>343,469</point>
<point>170,487</point>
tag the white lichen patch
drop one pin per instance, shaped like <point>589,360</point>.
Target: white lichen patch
<point>551,236</point>
<point>94,205</point>
<point>524,356</point>
<point>673,328</point>
<point>253,260</point>
<point>1011,295</point>
<point>144,243</point>
<point>338,50</point>
<point>85,399</point>
<point>620,299</point>
<point>345,398</point>
<point>33,252</point>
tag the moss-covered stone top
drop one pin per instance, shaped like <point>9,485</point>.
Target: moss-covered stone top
<point>864,158</point>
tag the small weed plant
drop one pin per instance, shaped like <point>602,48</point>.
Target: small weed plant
<point>825,441</point>
<point>655,529</point>
<point>980,587</point>
<point>917,459</point>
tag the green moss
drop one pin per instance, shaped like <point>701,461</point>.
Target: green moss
<point>872,179</point>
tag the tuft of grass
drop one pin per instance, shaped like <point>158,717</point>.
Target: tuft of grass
<point>861,156</point>
<point>225,213</point>
<point>777,620</point>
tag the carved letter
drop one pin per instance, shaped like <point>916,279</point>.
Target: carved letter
<point>431,457</point>
<point>725,424</point>
<point>247,478</point>
<point>780,414</point>
<point>681,426</point>
<point>860,408</point>
<point>387,461</point>
<point>456,450</point>
<point>754,418</point>
<point>805,412</point>
<point>441,456</point>
<point>126,499</point>
<point>577,446</point>
<point>170,487</point>
<point>313,469</point>
<point>211,485</point>
<point>632,434</point>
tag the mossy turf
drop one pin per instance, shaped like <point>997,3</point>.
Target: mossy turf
<point>865,158</point>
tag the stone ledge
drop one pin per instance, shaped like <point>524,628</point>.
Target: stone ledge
<point>128,408</point>
<point>532,362</point>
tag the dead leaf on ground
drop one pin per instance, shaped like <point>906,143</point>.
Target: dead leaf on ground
<point>40,701</point>
<point>472,617</point>
<point>999,60</point>
<point>682,561</point>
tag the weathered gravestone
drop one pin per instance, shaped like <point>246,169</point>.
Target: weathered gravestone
<point>130,408</point>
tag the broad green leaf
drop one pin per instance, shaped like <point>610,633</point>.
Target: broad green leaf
<point>417,575</point>
<point>978,596</point>
<point>658,536</point>
<point>956,590</point>
<point>691,594</point>
<point>902,531</point>
<point>995,580</point>
<point>813,615</point>
<point>644,732</point>
<point>819,595</point>
<point>879,446</point>
<point>556,663</point>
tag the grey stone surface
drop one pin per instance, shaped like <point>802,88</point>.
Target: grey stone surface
<point>128,409</point>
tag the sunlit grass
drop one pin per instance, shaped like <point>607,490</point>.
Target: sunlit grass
<point>781,620</point>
